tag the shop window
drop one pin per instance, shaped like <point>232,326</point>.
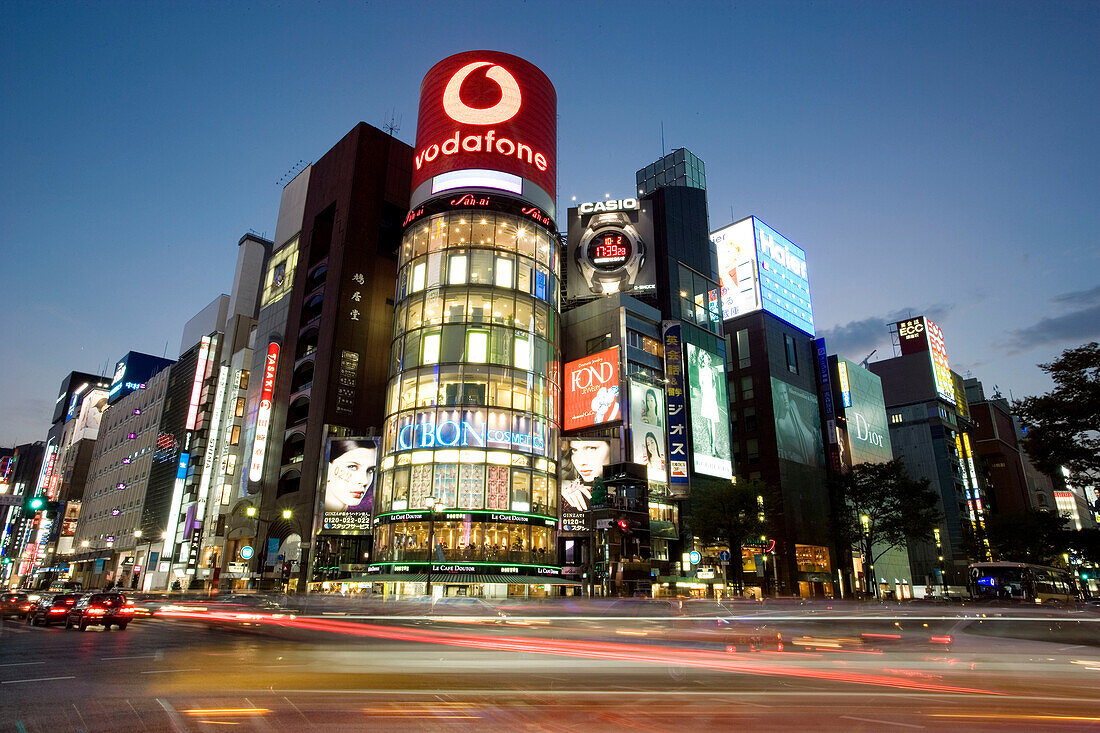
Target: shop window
<point>419,273</point>
<point>477,346</point>
<point>456,272</point>
<point>430,354</point>
<point>504,272</point>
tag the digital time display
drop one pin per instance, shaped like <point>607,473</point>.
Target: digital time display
<point>610,250</point>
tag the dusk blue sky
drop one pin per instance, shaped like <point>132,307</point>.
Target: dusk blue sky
<point>935,158</point>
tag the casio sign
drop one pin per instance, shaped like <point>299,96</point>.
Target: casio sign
<point>597,207</point>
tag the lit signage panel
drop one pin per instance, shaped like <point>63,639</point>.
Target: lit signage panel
<point>676,408</point>
<point>797,424</point>
<point>263,415</point>
<point>865,413</point>
<point>736,246</point>
<point>922,334</point>
<point>710,421</point>
<point>582,462</point>
<point>132,372</point>
<point>647,429</point>
<point>472,429</point>
<point>592,390</point>
<point>760,268</point>
<point>784,282</point>
<point>610,249</point>
<point>349,485</point>
<point>485,112</point>
<point>91,412</point>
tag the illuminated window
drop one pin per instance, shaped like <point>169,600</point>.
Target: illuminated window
<point>243,383</point>
<point>419,272</point>
<point>477,346</point>
<point>792,354</point>
<point>430,349</point>
<point>235,436</point>
<point>227,493</point>
<point>239,412</point>
<point>523,352</point>
<point>504,273</point>
<point>457,272</point>
<point>743,348</point>
<point>230,464</point>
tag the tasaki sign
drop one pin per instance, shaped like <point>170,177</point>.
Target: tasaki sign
<point>487,111</point>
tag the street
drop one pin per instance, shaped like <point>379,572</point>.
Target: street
<point>565,674</point>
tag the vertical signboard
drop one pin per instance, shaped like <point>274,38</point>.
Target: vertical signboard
<point>196,384</point>
<point>647,429</point>
<point>710,421</point>
<point>592,390</point>
<point>263,415</point>
<point>825,388</point>
<point>676,411</point>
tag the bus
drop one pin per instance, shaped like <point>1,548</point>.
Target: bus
<point>1020,582</point>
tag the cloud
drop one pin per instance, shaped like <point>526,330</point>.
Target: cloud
<point>856,339</point>
<point>1079,297</point>
<point>1070,329</point>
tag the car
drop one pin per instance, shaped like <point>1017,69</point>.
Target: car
<point>100,609</point>
<point>50,608</point>
<point>15,604</point>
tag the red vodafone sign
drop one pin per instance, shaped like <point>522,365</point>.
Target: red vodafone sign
<point>487,110</point>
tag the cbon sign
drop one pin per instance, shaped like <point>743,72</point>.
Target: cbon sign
<point>487,110</point>
<point>589,384</point>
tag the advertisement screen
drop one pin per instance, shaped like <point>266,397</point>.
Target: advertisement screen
<point>486,113</point>
<point>912,335</point>
<point>797,424</point>
<point>349,485</point>
<point>610,249</point>
<point>736,247</point>
<point>92,408</point>
<point>865,414</point>
<point>582,462</point>
<point>647,429</point>
<point>784,282</point>
<point>710,422</point>
<point>592,390</point>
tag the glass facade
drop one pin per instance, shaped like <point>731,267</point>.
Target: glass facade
<point>474,394</point>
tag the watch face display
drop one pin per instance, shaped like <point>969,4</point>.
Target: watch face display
<point>610,250</point>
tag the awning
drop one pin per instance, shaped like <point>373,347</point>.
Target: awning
<point>682,579</point>
<point>458,578</point>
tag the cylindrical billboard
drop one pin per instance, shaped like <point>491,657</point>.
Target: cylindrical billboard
<point>488,120</point>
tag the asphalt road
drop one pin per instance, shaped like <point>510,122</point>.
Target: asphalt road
<point>369,674</point>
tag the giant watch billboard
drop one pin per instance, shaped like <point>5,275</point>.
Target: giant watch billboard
<point>487,120</point>
<point>610,249</point>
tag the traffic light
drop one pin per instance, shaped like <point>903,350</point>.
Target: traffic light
<point>33,504</point>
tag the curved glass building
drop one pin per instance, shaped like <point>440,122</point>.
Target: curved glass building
<point>467,493</point>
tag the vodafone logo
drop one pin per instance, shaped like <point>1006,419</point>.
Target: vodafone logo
<point>510,100</point>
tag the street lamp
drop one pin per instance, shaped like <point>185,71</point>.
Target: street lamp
<point>250,511</point>
<point>869,567</point>
<point>287,514</point>
<point>433,505</point>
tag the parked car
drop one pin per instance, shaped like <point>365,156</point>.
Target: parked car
<point>15,604</point>
<point>100,609</point>
<point>50,608</point>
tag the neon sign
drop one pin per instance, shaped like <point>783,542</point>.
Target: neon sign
<point>263,417</point>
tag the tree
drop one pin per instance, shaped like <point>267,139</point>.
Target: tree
<point>1062,428</point>
<point>1038,536</point>
<point>732,513</point>
<point>880,507</point>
